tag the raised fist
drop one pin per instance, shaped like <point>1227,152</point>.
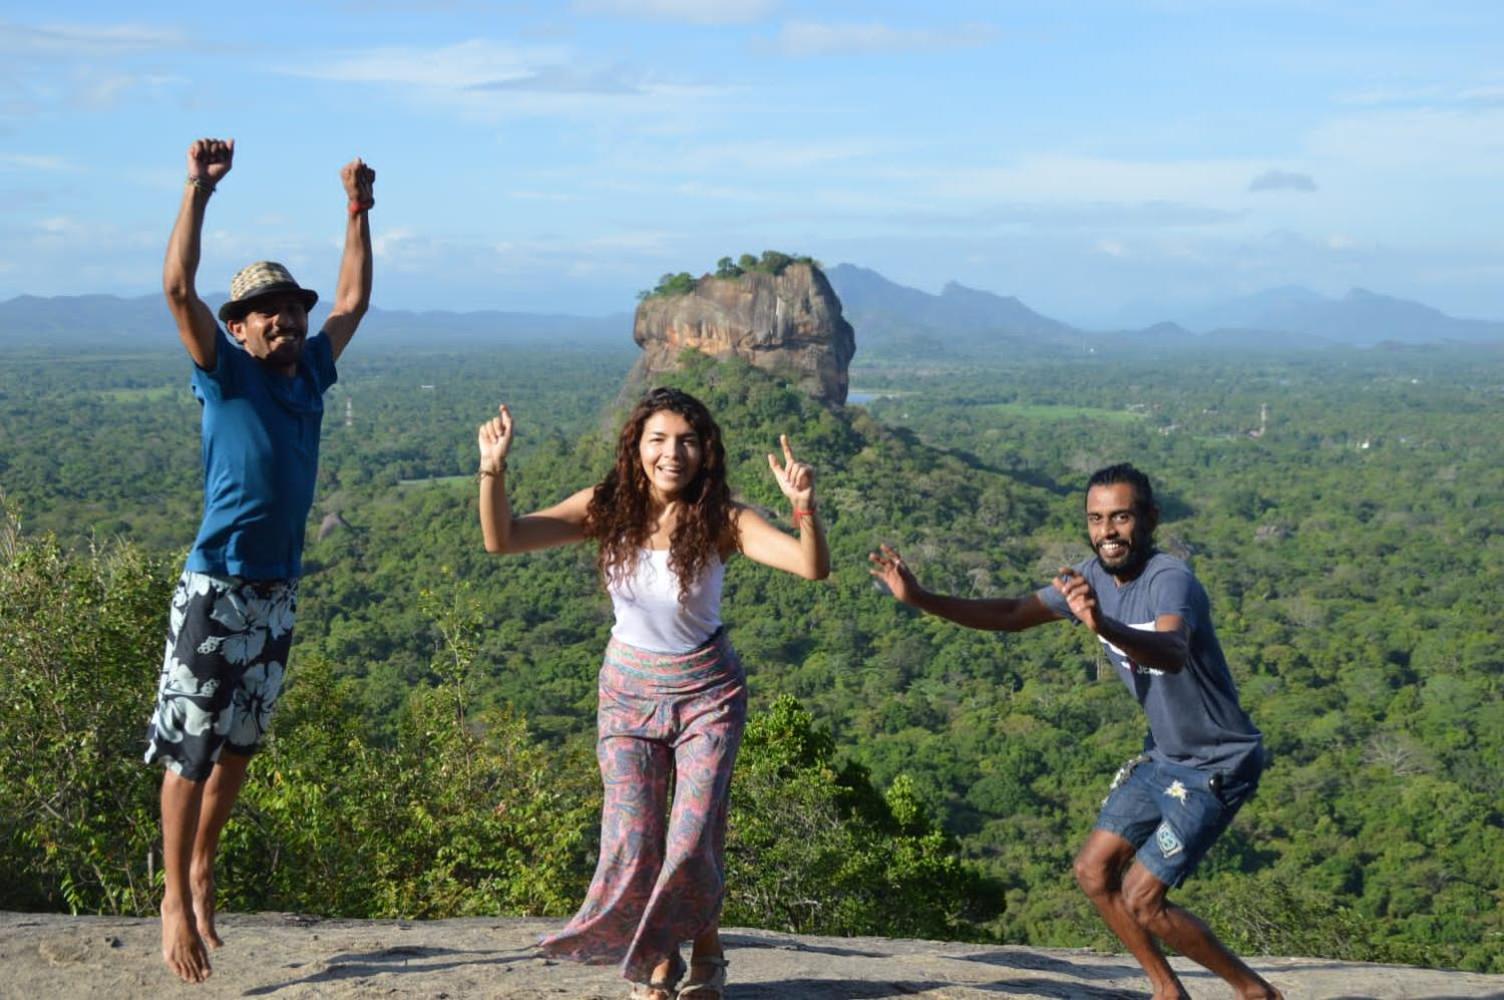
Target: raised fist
<point>210,159</point>
<point>359,181</point>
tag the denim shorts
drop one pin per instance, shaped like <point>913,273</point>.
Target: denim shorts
<point>1174,813</point>
<point>227,646</point>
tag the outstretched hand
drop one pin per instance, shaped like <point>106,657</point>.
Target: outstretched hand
<point>888,567</point>
<point>210,159</point>
<point>360,182</point>
<point>795,479</point>
<point>495,440</point>
<point>1079,596</point>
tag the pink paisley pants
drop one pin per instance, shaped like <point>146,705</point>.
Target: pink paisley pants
<point>661,875</point>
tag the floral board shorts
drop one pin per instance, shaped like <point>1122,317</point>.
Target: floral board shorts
<point>1173,813</point>
<point>227,646</point>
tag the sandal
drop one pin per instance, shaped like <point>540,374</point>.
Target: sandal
<point>661,989</point>
<point>705,989</point>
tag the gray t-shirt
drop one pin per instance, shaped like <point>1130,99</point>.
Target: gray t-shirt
<point>1194,715</point>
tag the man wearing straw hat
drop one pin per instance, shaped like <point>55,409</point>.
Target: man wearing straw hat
<point>260,381</point>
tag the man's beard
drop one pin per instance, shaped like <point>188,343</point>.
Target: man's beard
<point>1139,548</point>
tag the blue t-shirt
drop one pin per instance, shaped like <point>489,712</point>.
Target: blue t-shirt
<point>261,455</point>
<point>1194,715</point>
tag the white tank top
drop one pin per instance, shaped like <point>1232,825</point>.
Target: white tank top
<point>648,613</point>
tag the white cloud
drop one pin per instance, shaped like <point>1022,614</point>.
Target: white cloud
<point>813,38</point>
<point>1428,96</point>
<point>1282,180</point>
<point>70,67</point>
<point>1424,142</point>
<point>1061,214</point>
<point>60,225</point>
<point>1074,179</point>
<point>85,40</point>
<point>707,12</point>
<point>764,155</point>
<point>460,66</point>
<point>487,79</point>
<point>42,163</point>
<point>638,242</point>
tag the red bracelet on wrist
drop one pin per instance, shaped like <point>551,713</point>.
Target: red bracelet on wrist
<point>356,207</point>
<point>800,516</point>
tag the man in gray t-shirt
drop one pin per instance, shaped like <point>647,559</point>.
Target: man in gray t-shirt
<point>1202,756</point>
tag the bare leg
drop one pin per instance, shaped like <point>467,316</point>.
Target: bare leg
<point>1099,873</point>
<point>220,792</point>
<point>706,945</point>
<point>182,948</point>
<point>664,972</point>
<point>1144,897</point>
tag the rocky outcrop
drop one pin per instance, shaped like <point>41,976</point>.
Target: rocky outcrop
<point>284,955</point>
<point>789,324</point>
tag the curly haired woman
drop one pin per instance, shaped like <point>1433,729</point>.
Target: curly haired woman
<point>673,696</point>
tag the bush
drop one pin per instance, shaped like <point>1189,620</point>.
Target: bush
<point>80,643</point>
<point>816,850</point>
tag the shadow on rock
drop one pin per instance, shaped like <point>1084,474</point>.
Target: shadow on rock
<point>827,989</point>
<point>386,961</point>
<point>795,945</point>
<point>1034,962</point>
<point>1055,988</point>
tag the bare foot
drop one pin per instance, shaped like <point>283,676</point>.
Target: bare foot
<point>203,909</point>
<point>182,949</point>
<point>1266,992</point>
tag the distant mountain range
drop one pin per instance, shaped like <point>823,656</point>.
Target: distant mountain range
<point>1360,317</point>
<point>111,322</point>
<point>890,320</point>
<point>893,318</point>
<point>961,320</point>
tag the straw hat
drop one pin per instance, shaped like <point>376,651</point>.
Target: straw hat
<point>254,281</point>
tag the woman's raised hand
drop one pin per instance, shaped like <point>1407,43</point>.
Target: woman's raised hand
<point>495,440</point>
<point>795,479</point>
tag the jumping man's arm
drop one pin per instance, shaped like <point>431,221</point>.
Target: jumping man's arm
<point>1166,647</point>
<point>208,162</point>
<point>995,614</point>
<point>352,296</point>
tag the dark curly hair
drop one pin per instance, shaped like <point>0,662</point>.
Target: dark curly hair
<point>620,513</point>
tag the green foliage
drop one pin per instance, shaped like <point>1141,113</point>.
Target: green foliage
<point>1352,553</point>
<point>670,285</point>
<point>77,806</point>
<point>466,814</point>
<point>772,262</point>
<point>815,849</point>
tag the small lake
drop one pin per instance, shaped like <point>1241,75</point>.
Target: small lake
<point>859,397</point>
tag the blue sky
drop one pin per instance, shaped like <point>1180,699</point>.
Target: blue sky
<point>1101,160</point>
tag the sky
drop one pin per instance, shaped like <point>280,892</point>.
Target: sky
<point>1105,161</point>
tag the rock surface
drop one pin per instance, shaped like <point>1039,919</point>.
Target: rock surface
<point>278,955</point>
<point>789,324</point>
